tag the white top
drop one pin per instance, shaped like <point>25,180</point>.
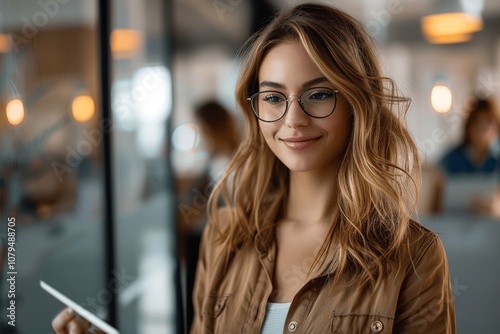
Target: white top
<point>274,321</point>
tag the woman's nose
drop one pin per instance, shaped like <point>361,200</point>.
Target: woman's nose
<point>296,117</point>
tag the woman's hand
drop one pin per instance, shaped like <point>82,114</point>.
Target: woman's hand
<point>68,322</point>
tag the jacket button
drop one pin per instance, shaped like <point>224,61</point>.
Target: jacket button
<point>377,326</point>
<point>293,326</point>
<point>314,281</point>
<point>217,308</point>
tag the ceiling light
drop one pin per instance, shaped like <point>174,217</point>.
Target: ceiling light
<point>83,108</point>
<point>125,43</point>
<point>450,23</point>
<point>15,111</point>
<point>441,98</point>
<point>449,39</point>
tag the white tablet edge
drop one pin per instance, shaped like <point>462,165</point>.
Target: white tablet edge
<point>79,310</point>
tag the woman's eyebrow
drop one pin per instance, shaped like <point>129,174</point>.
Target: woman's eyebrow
<point>314,82</point>
<point>272,84</point>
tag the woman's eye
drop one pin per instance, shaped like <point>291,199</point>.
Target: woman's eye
<point>320,95</point>
<point>272,98</point>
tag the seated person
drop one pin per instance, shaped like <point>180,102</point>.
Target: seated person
<point>479,150</point>
<point>472,168</point>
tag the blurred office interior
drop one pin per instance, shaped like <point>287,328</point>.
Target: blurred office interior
<point>106,169</point>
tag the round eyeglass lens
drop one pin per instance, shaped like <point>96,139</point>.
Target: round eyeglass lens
<point>270,106</point>
<point>318,102</point>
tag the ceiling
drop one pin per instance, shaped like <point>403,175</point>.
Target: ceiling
<point>406,9</point>
<point>201,22</point>
<point>198,22</point>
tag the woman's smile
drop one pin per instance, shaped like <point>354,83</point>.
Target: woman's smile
<point>300,143</point>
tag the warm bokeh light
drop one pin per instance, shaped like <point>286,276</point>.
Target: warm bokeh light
<point>125,43</point>
<point>449,39</point>
<point>450,26</point>
<point>83,108</point>
<point>15,111</point>
<point>441,98</point>
<point>185,137</point>
<point>4,43</point>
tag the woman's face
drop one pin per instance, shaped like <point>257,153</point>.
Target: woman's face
<point>301,142</point>
<point>483,130</point>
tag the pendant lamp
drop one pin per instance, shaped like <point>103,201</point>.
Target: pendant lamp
<point>452,21</point>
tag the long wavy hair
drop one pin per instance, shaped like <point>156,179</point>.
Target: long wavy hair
<point>377,187</point>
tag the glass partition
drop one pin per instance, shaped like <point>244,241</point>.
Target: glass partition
<point>55,171</point>
<point>51,167</point>
<point>141,100</point>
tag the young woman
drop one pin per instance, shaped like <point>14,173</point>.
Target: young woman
<point>316,234</point>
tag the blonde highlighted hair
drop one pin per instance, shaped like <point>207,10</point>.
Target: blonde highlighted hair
<point>377,191</point>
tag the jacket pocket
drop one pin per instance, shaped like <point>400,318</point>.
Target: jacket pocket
<point>213,305</point>
<point>361,323</point>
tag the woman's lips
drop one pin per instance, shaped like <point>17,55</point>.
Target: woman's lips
<point>300,143</point>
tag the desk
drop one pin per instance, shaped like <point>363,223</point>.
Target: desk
<point>472,245</point>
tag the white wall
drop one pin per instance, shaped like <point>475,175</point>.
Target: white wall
<point>468,69</point>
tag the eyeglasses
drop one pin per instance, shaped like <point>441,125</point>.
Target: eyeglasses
<point>271,106</point>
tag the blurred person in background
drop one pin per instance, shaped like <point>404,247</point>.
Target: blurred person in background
<point>479,151</point>
<point>219,133</point>
<point>219,137</point>
<point>475,160</point>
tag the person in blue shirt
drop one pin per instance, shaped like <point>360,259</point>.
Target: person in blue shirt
<point>479,151</point>
<point>478,156</point>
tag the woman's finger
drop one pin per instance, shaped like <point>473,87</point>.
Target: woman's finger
<point>77,326</point>
<point>68,322</point>
<point>61,321</point>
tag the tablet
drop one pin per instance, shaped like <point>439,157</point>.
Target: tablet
<point>461,190</point>
<point>93,319</point>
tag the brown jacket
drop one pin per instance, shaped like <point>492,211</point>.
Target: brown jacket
<point>232,298</point>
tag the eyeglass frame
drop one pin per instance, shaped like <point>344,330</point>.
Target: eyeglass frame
<point>288,103</point>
